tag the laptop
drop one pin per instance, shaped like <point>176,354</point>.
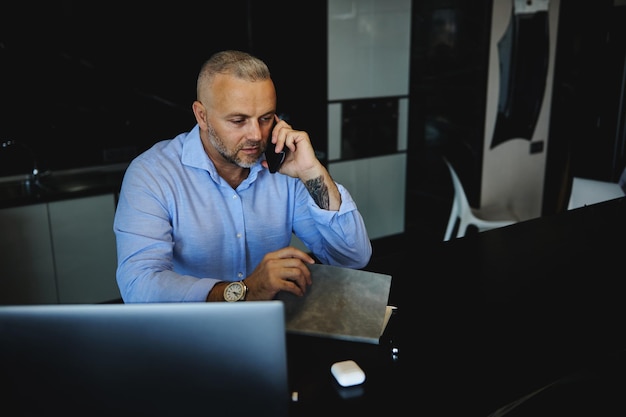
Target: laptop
<point>175,359</point>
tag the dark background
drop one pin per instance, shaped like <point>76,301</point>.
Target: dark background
<point>93,83</point>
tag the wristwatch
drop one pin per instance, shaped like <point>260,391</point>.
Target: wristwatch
<point>235,291</point>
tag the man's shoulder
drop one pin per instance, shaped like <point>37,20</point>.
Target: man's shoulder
<point>164,155</point>
<point>163,149</point>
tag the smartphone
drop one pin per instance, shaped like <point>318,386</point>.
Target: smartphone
<point>274,160</point>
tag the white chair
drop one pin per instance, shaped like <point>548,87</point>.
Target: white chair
<point>464,214</point>
<point>586,191</point>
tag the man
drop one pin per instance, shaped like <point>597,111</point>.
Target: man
<point>201,218</point>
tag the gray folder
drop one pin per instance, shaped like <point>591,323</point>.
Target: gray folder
<point>341,303</point>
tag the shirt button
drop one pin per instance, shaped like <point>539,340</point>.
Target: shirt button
<point>234,196</point>
<point>238,235</point>
<point>240,275</point>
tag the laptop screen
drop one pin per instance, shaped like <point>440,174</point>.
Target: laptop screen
<point>177,359</point>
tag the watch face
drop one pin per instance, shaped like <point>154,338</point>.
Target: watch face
<point>234,291</point>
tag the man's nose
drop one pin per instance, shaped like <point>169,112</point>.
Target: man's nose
<point>254,130</point>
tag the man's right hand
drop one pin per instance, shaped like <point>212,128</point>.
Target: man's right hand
<point>282,270</point>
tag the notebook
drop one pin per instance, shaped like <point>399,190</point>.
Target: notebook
<point>176,359</point>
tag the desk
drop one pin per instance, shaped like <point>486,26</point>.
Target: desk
<point>500,315</point>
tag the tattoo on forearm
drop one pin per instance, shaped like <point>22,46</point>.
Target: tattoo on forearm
<point>319,192</point>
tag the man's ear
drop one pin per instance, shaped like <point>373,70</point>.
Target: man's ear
<point>199,111</point>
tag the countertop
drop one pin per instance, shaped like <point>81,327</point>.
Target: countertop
<point>60,185</point>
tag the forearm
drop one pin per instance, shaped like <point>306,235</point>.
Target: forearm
<point>337,238</point>
<point>324,191</point>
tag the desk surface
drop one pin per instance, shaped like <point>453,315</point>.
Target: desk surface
<point>500,315</point>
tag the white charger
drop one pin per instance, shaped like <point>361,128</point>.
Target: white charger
<point>347,373</point>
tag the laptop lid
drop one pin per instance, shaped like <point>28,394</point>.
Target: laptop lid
<point>176,359</point>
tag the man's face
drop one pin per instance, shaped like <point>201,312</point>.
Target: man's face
<point>238,118</point>
<point>243,153</point>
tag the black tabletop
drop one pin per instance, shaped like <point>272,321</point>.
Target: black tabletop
<point>487,320</point>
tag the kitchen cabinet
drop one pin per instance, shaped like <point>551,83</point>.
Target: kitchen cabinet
<point>380,198</point>
<point>84,249</point>
<point>26,256</point>
<point>59,252</point>
<point>368,46</point>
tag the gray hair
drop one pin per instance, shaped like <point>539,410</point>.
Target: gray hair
<point>236,63</point>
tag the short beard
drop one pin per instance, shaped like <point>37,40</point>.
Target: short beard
<point>231,157</point>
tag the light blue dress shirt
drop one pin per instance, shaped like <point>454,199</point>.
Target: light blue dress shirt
<point>180,227</point>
